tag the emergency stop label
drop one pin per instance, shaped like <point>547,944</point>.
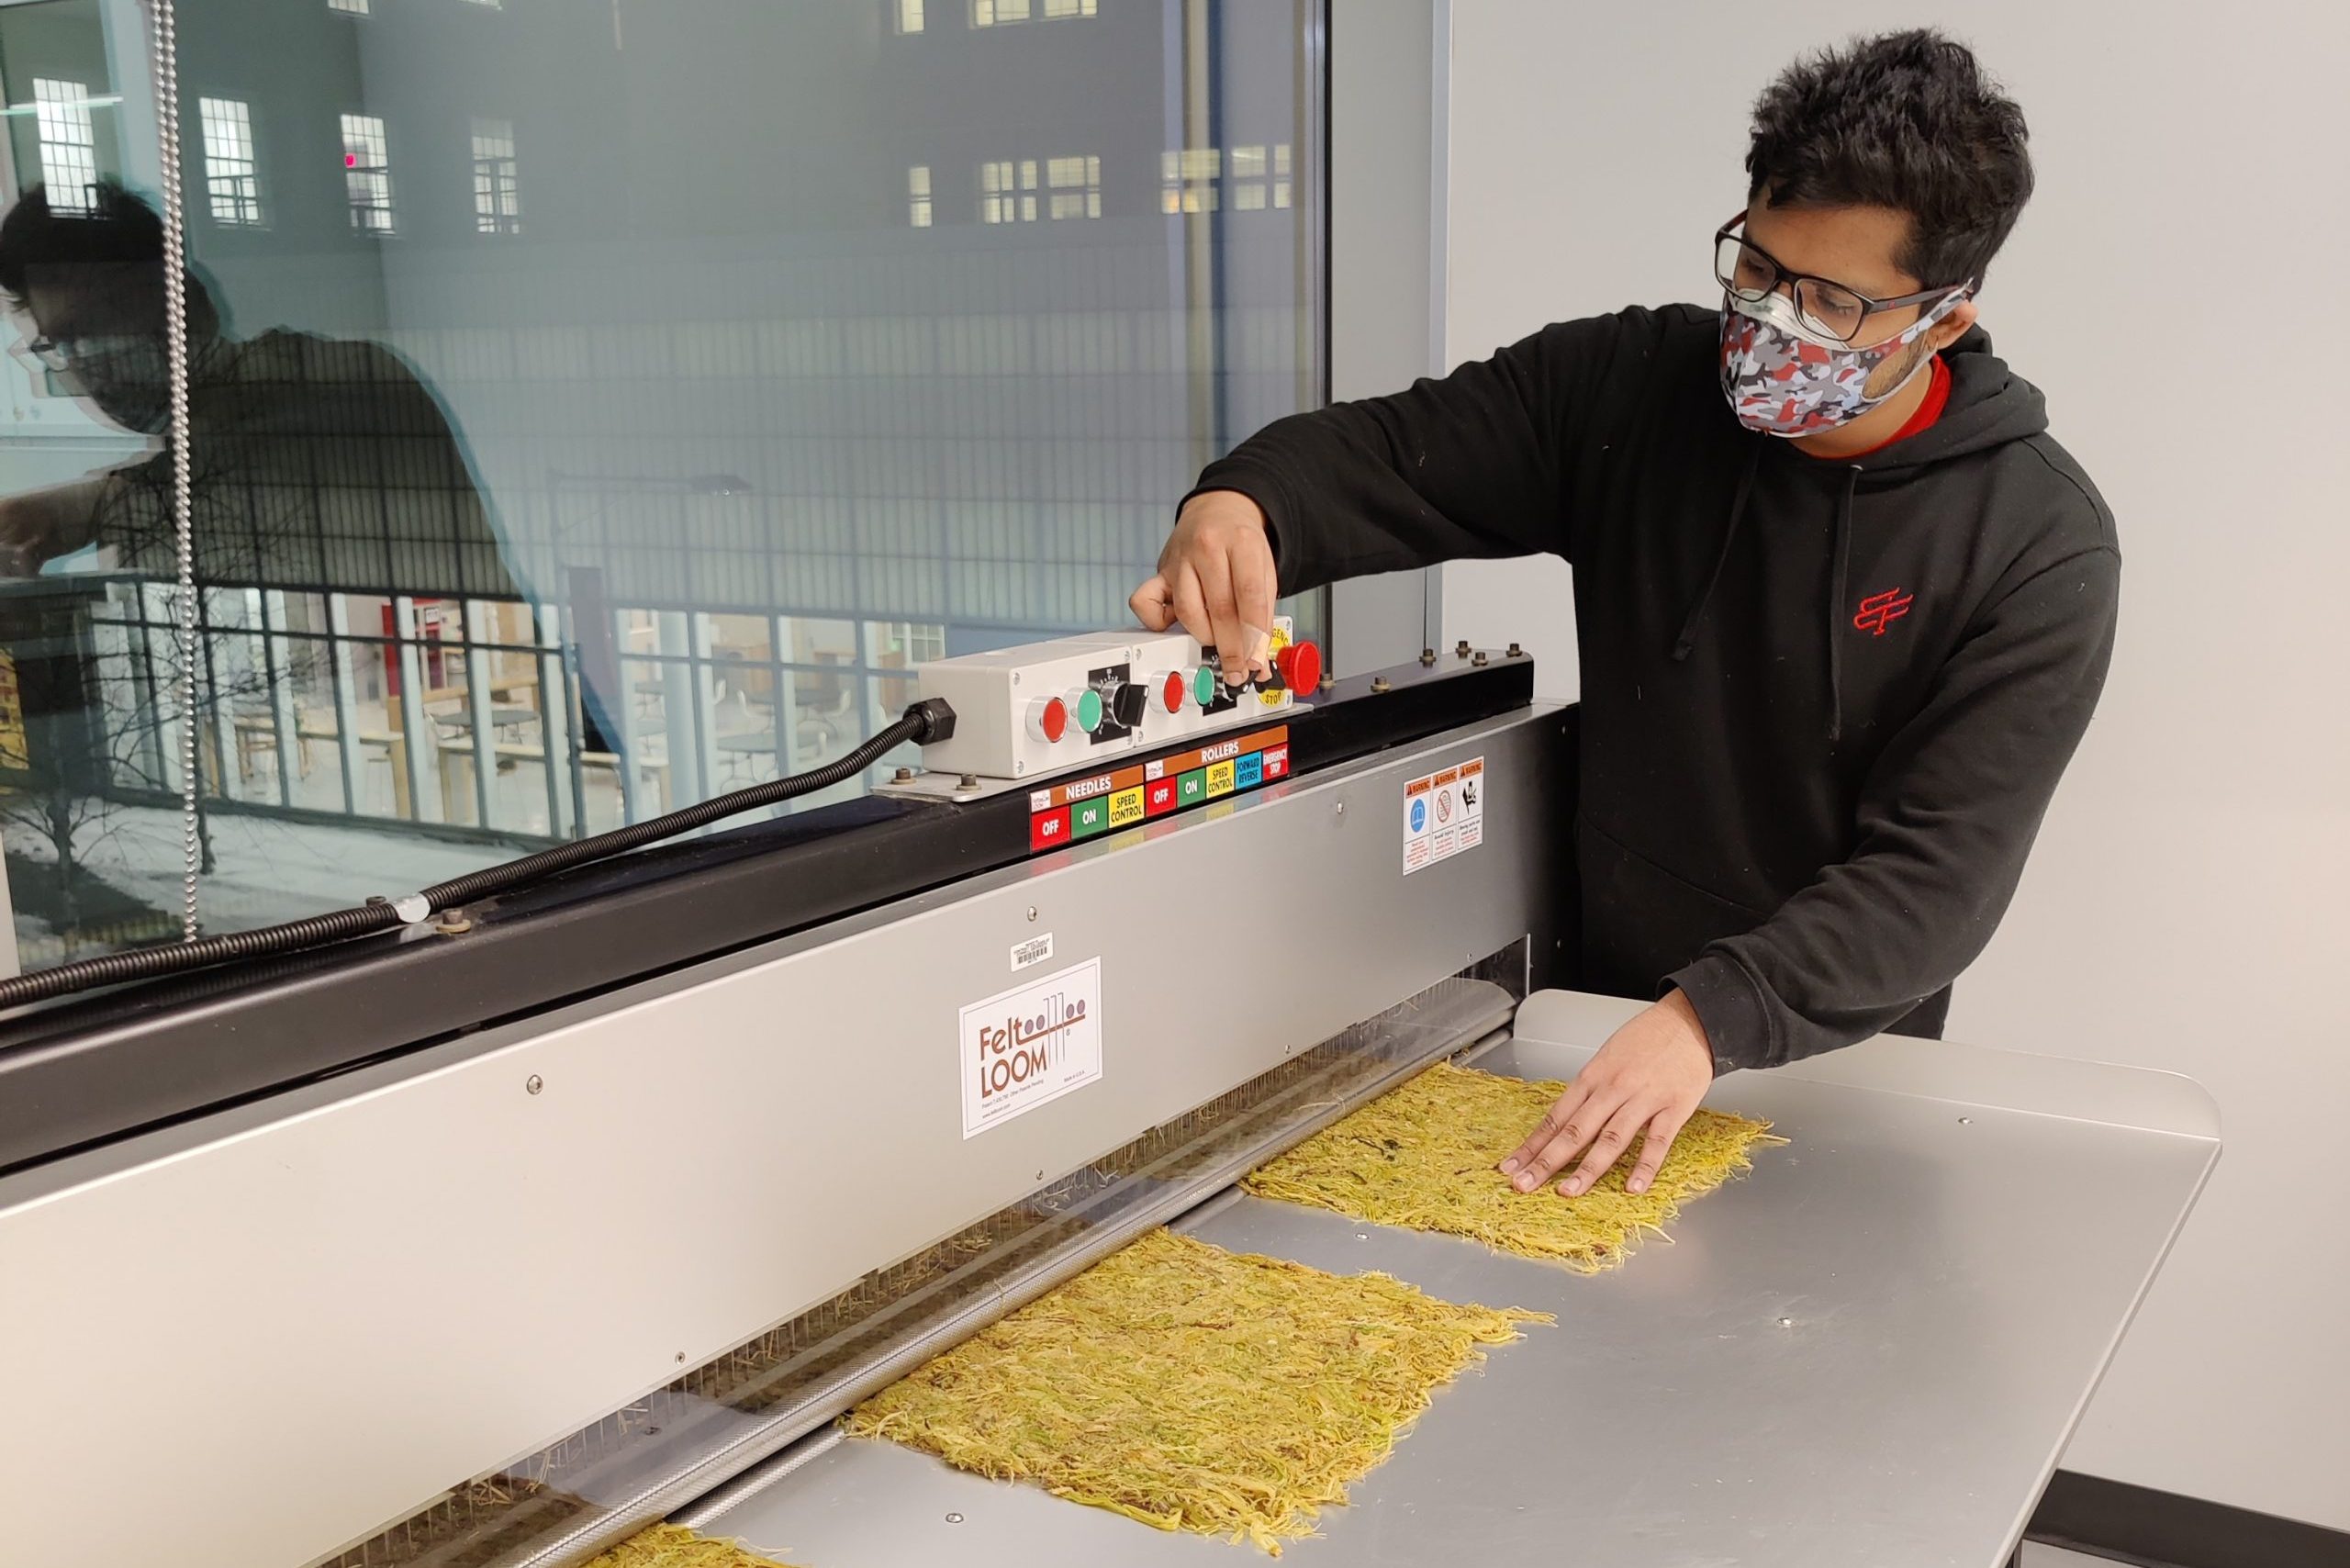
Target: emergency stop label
<point>1029,1046</point>
<point>1444,814</point>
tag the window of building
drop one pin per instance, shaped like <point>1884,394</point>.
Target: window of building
<point>367,173</point>
<point>69,142</point>
<point>999,201</point>
<point>497,202</point>
<point>1074,187</point>
<point>1003,12</point>
<point>909,19</point>
<point>231,172</point>
<point>1187,179</point>
<point>672,498</point>
<point>348,7</point>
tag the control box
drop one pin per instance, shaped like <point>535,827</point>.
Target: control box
<point>1049,708</point>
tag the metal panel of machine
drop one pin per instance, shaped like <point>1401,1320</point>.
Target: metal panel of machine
<point>1870,1351</point>
<point>321,1310</point>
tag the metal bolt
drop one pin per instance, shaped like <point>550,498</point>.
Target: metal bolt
<point>1461,649</point>
<point>1967,1121</point>
<point>1515,652</point>
<point>904,776</point>
<point>533,1085</point>
<point>681,1356</point>
<point>1786,1323</point>
<point>454,923</point>
<point>1379,683</point>
<point>954,1519</point>
<point>1031,914</point>
<point>969,781</point>
<point>1342,808</point>
<point>1329,683</point>
<point>1480,660</point>
<point>1427,656</point>
<point>1015,677</point>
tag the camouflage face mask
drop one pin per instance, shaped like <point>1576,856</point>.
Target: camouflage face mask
<point>1782,378</point>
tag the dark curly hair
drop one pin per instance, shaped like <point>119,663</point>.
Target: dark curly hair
<point>115,242</point>
<point>1906,120</point>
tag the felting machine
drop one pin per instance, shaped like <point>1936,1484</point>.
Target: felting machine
<point>491,1237</point>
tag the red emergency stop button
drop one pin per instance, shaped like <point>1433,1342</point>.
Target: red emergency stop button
<point>1301,666</point>
<point>1049,719</point>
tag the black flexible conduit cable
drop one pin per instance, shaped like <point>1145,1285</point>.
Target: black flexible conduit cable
<point>924,722</point>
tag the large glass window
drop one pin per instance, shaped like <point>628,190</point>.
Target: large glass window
<point>594,407</point>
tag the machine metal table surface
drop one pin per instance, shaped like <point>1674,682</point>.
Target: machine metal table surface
<point>1870,1351</point>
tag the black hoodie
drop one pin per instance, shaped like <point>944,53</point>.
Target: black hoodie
<point>1824,703</point>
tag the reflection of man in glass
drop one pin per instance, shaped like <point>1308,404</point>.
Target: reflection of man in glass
<point>318,464</point>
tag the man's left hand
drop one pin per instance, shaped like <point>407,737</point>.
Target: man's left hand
<point>1648,1077</point>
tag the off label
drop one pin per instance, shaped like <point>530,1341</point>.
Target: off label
<point>1444,814</point>
<point>1029,1046</point>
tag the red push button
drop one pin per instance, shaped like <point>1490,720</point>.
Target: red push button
<point>1049,719</point>
<point>1301,666</point>
<point>1173,691</point>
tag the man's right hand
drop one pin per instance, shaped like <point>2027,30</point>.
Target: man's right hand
<point>23,535</point>
<point>1215,578</point>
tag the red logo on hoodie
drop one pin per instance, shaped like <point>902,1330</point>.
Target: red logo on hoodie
<point>1882,609</point>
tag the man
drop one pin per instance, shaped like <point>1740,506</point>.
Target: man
<point>316,462</point>
<point>1843,606</point>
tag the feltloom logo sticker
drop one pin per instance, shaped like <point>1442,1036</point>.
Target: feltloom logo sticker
<point>1029,1046</point>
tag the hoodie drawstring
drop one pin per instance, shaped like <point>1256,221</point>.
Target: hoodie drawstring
<point>1688,638</point>
<point>1836,605</point>
<point>1836,590</point>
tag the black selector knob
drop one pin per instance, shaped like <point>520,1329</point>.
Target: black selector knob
<point>1126,705</point>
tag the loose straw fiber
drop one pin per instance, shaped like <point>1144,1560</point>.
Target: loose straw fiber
<point>674,1546</point>
<point>1193,1388</point>
<point>1423,1157</point>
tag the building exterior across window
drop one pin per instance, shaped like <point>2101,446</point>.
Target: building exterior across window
<point>69,142</point>
<point>367,173</point>
<point>497,199</point>
<point>231,168</point>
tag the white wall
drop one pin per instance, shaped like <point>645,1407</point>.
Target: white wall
<point>2172,290</point>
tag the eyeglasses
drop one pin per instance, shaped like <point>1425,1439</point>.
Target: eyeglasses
<point>1752,274</point>
<point>63,354</point>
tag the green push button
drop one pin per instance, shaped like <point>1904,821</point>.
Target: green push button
<point>1089,817</point>
<point>1190,788</point>
<point>1204,685</point>
<point>1089,711</point>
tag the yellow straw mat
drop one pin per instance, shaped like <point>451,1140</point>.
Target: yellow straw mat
<point>674,1546</point>
<point>1193,1388</point>
<point>1423,1157</point>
